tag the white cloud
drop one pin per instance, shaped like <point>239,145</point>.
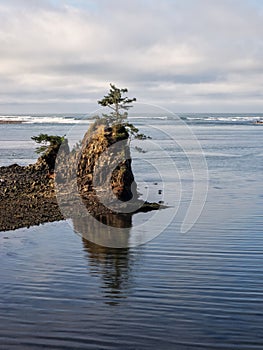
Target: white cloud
<point>179,54</point>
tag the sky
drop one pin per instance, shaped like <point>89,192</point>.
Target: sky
<point>184,55</point>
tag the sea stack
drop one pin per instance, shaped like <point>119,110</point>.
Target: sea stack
<point>105,161</point>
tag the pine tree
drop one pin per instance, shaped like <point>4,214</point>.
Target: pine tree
<point>115,101</point>
<point>119,105</point>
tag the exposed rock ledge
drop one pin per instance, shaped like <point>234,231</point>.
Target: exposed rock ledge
<point>29,195</point>
<point>6,121</point>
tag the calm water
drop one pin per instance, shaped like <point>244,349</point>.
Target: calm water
<point>198,290</point>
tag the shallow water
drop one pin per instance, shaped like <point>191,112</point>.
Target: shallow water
<point>199,290</point>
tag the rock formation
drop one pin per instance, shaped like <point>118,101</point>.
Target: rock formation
<point>99,173</point>
<point>105,161</point>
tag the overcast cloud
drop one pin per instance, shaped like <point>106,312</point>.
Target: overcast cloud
<point>186,55</point>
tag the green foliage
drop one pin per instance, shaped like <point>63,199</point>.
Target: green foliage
<point>117,102</point>
<point>120,132</point>
<point>133,131</point>
<point>119,105</point>
<point>53,141</point>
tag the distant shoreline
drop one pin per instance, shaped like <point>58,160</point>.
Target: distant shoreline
<point>11,121</point>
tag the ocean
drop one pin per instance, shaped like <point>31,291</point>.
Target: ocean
<point>189,277</point>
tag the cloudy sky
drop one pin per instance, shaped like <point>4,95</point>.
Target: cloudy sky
<point>185,55</point>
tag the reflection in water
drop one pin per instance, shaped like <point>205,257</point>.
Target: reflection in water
<point>107,230</point>
<point>113,265</point>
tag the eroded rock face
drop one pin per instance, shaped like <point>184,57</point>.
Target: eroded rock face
<point>48,159</point>
<point>104,164</point>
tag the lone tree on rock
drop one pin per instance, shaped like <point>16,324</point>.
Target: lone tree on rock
<point>119,105</point>
<point>115,101</point>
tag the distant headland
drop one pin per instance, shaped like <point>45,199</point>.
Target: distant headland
<point>6,121</point>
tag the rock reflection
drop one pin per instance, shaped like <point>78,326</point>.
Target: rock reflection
<point>114,268</point>
<point>113,265</point>
<point>108,230</point>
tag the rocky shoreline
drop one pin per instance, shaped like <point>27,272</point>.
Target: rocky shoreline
<point>35,194</point>
<point>27,197</point>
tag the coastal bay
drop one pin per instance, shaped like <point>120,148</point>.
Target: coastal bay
<point>178,290</point>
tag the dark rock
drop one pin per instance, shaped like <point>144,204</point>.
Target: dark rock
<point>27,193</point>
